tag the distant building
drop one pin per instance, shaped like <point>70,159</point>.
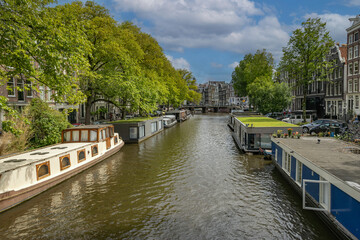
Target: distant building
<point>218,93</point>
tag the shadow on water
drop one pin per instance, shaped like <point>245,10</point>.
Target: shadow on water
<point>187,182</point>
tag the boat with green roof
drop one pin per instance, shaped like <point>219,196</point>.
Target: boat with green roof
<point>252,133</point>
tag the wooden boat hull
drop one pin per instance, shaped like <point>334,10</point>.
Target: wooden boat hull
<point>13,198</point>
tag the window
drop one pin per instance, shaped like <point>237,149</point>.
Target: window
<point>48,94</point>
<point>350,69</point>
<point>324,193</point>
<point>350,53</point>
<point>82,110</point>
<point>65,162</point>
<point>357,102</point>
<point>43,170</point>
<point>66,136</point>
<point>351,37</point>
<point>356,85</point>
<point>276,154</point>
<point>116,140</point>
<point>93,136</point>
<point>84,135</point>
<point>111,132</point>
<point>287,162</point>
<point>81,155</point>
<point>356,67</point>
<point>153,127</point>
<point>142,131</point>
<point>20,88</point>
<point>159,124</point>
<point>75,135</point>
<point>42,93</point>
<point>350,89</point>
<point>11,88</point>
<point>133,132</point>
<point>94,150</point>
<point>356,51</point>
<point>356,37</point>
<point>299,172</point>
<point>29,90</point>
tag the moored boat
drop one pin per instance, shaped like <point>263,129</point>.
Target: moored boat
<point>169,121</point>
<point>25,175</point>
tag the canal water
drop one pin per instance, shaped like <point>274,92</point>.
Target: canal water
<point>188,182</point>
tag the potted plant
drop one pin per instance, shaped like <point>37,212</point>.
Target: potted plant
<point>290,131</point>
<point>279,132</point>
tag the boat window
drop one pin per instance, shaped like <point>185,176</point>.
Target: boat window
<point>93,135</point>
<point>153,127</point>
<point>65,162</point>
<point>111,132</point>
<point>160,124</point>
<point>94,150</point>
<point>115,140</point>
<point>84,135</point>
<point>133,132</point>
<point>75,135</point>
<point>142,131</point>
<point>81,155</point>
<point>67,136</point>
<point>43,170</point>
<point>107,132</point>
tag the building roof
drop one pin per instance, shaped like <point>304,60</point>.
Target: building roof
<point>343,52</point>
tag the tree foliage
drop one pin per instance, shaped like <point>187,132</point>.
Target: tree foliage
<point>304,58</point>
<point>46,123</point>
<point>268,96</point>
<point>252,66</point>
<point>37,44</point>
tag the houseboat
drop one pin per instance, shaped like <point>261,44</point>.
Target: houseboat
<point>137,130</point>
<point>253,132</point>
<point>180,115</point>
<point>169,121</point>
<point>325,173</point>
<point>25,175</point>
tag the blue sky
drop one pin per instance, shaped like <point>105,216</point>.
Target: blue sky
<point>209,37</point>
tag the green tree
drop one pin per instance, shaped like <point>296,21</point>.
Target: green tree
<point>304,58</point>
<point>267,96</point>
<point>251,67</point>
<point>46,123</point>
<point>192,95</point>
<point>37,44</point>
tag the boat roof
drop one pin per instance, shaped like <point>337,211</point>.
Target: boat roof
<point>169,116</point>
<point>37,155</point>
<point>95,126</point>
<point>257,121</point>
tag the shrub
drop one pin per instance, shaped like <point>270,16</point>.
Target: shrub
<point>46,123</point>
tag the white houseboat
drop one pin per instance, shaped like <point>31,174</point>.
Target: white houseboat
<point>25,175</point>
<point>169,121</point>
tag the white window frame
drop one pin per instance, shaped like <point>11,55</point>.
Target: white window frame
<point>356,51</point>
<point>350,53</point>
<point>322,183</point>
<point>351,38</point>
<point>29,92</point>
<point>350,86</point>
<point>13,87</point>
<point>299,170</point>
<point>350,69</point>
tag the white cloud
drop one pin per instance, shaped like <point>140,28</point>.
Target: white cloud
<point>216,65</point>
<point>179,63</point>
<point>336,24</point>
<point>352,2</point>
<point>233,65</point>
<point>231,25</point>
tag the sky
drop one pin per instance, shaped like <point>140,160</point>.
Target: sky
<point>210,37</point>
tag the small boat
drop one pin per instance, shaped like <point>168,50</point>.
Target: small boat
<point>169,121</point>
<point>266,152</point>
<point>25,175</point>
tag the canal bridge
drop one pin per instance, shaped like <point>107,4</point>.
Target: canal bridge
<point>211,108</point>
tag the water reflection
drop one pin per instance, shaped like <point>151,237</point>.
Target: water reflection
<point>188,182</point>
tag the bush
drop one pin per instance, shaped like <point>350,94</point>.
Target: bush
<point>11,143</point>
<point>46,123</point>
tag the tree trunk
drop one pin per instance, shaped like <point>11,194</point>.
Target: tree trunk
<point>304,103</point>
<point>88,104</point>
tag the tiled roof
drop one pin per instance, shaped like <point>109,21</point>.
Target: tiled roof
<point>343,51</point>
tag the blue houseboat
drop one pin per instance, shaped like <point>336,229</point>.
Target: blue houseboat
<point>326,172</point>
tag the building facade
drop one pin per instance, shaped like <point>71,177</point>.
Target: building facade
<point>352,81</point>
<point>218,93</point>
<point>335,94</point>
